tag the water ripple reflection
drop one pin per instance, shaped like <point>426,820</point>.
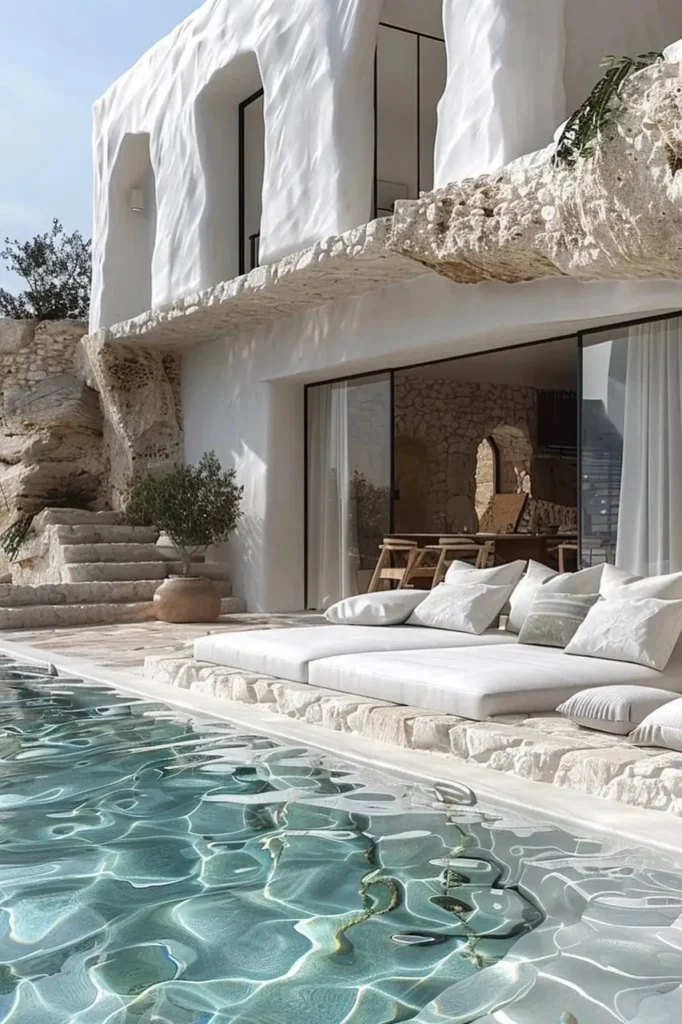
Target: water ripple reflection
<point>162,871</point>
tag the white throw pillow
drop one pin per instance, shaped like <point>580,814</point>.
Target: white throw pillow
<point>525,592</point>
<point>584,582</point>
<point>616,584</point>
<point>496,576</point>
<point>614,709</point>
<point>385,608</point>
<point>643,632</point>
<point>465,608</point>
<point>662,728</point>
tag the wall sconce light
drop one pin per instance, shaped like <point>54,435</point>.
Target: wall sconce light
<point>137,200</point>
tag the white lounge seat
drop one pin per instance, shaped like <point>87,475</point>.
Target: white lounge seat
<point>480,682</point>
<point>287,653</point>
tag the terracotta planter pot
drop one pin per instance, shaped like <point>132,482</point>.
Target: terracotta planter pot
<point>187,599</point>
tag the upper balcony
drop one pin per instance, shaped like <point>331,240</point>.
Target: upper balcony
<point>248,165</point>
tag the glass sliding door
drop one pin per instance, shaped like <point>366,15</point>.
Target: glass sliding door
<point>631,447</point>
<point>348,484</point>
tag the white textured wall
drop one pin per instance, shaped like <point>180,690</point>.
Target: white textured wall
<point>595,28</point>
<point>244,396</point>
<point>316,63</point>
<point>516,68</point>
<point>505,94</point>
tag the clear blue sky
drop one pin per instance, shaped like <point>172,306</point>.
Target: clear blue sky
<point>56,58</point>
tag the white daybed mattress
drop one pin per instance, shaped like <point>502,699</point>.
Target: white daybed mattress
<point>484,681</point>
<point>287,653</point>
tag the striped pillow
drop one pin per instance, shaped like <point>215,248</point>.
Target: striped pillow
<point>554,618</point>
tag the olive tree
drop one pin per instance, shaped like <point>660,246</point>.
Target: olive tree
<point>194,505</point>
<point>57,268</point>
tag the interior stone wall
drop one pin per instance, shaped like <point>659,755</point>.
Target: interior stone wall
<point>439,427</point>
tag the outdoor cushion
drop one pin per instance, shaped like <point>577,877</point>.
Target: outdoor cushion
<point>662,728</point>
<point>497,576</point>
<point>462,608</point>
<point>286,653</point>
<point>554,618</point>
<point>478,682</point>
<point>586,581</point>
<point>614,709</point>
<point>643,631</point>
<point>524,594</point>
<point>384,608</point>
<point>616,584</point>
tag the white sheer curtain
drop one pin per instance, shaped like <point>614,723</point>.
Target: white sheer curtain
<point>650,515</point>
<point>332,547</point>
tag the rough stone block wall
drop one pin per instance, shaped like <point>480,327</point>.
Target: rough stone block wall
<point>50,421</point>
<point>31,351</point>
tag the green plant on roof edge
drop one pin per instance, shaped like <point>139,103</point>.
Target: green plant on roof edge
<point>586,125</point>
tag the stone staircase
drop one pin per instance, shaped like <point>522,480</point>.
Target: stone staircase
<point>84,568</point>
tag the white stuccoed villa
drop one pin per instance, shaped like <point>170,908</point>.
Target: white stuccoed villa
<point>377,363</point>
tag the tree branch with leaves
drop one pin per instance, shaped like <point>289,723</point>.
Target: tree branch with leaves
<point>58,270</point>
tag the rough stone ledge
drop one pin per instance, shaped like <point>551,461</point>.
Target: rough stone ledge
<point>616,215</point>
<point>542,748</point>
<point>341,266</point>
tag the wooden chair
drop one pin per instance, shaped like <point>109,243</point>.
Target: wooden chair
<point>392,550</point>
<point>451,548</point>
<point>563,550</point>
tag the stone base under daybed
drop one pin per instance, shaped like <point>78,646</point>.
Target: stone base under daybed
<point>545,748</point>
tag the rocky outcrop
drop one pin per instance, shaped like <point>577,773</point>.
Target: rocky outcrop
<point>139,389</point>
<point>614,215</point>
<point>51,422</point>
<point>79,416</point>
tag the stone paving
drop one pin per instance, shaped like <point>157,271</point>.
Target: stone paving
<point>125,647</point>
<point>542,748</point>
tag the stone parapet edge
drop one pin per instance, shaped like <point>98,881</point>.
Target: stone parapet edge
<point>544,749</point>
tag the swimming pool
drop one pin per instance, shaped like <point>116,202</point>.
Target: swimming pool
<point>159,868</point>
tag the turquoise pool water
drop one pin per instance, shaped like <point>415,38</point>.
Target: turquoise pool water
<point>158,870</point>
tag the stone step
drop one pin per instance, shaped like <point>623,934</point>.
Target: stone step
<point>52,617</point>
<point>75,517</point>
<point>99,592</point>
<point>128,572</point>
<point>94,533</point>
<point>92,572</point>
<point>12,596</point>
<point>78,554</point>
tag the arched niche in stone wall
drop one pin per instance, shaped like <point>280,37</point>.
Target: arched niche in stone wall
<point>127,289</point>
<point>232,163</point>
<point>487,474</point>
<point>514,458</point>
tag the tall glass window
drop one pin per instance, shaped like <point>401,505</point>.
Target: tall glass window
<point>251,171</point>
<point>349,484</point>
<point>411,71</point>
<point>631,447</point>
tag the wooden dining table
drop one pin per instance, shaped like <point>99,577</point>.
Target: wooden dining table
<point>508,546</point>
